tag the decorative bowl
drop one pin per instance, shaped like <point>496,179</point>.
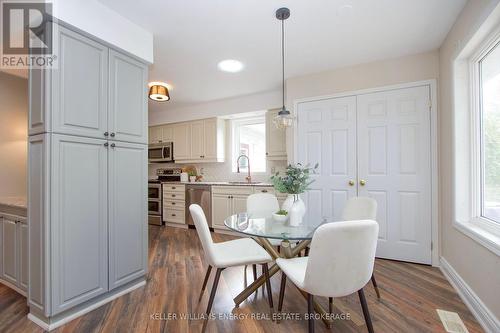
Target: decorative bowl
<point>280,218</point>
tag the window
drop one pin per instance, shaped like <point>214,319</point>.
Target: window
<point>489,109</point>
<point>249,138</point>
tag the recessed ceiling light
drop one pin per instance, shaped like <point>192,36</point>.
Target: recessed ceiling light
<point>230,65</point>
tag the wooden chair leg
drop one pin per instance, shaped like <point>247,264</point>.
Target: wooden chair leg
<point>310,310</point>
<point>212,296</point>
<point>366,314</point>
<point>282,292</point>
<point>279,248</point>
<point>307,251</point>
<point>254,268</point>
<point>375,286</point>
<point>207,275</point>
<point>330,305</point>
<point>265,268</point>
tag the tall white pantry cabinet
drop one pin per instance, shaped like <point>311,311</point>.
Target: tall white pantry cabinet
<point>87,205</point>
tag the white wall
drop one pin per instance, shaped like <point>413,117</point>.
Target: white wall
<point>476,265</point>
<point>13,135</point>
<point>224,107</point>
<point>411,68</point>
<point>98,20</point>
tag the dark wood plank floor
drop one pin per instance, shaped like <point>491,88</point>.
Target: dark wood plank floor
<point>410,296</point>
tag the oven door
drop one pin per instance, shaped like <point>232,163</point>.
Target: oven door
<point>154,207</point>
<point>154,192</point>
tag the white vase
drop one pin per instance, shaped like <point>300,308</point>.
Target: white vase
<point>296,209</point>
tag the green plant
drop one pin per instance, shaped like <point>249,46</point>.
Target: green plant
<point>296,179</point>
<point>282,212</point>
<point>192,173</point>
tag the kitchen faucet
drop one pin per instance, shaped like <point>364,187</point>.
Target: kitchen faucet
<point>248,178</point>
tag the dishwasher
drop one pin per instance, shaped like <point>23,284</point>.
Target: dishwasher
<point>200,195</point>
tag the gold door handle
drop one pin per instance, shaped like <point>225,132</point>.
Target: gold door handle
<point>362,182</point>
<point>351,182</point>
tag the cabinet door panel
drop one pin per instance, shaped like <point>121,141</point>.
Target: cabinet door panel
<point>79,220</point>
<point>275,138</point>
<point>167,133</point>
<point>197,139</point>
<point>221,209</point>
<point>127,213</point>
<point>210,140</point>
<point>128,109</point>
<point>182,149</point>
<point>80,86</point>
<point>239,204</point>
<point>9,250</point>
<point>22,250</point>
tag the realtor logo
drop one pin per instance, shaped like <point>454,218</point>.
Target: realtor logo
<point>27,35</point>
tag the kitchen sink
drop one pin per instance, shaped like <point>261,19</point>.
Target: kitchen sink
<point>244,183</point>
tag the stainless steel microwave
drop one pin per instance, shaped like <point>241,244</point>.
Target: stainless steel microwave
<point>161,152</point>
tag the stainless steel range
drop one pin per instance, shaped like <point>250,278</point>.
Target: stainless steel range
<point>155,193</point>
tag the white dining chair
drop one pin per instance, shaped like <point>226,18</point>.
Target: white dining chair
<point>340,262</point>
<point>361,208</point>
<point>238,252</point>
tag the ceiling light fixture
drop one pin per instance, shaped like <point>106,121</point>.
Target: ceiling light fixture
<point>284,118</point>
<point>230,65</point>
<point>158,91</point>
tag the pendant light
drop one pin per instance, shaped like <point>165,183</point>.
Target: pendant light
<point>284,118</point>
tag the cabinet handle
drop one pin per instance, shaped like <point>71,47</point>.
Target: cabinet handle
<point>267,154</point>
<point>106,144</point>
<point>173,215</point>
<point>173,188</point>
<point>173,203</point>
<point>112,135</point>
<point>351,182</point>
<point>106,133</point>
<point>173,195</point>
<point>113,145</point>
<point>264,191</point>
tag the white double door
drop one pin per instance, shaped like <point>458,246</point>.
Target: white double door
<point>376,145</point>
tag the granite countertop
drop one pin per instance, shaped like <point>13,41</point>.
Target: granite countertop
<point>17,202</point>
<point>215,183</point>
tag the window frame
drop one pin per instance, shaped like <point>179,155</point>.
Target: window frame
<point>235,124</point>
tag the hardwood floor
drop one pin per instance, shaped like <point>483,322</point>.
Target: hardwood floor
<point>410,296</point>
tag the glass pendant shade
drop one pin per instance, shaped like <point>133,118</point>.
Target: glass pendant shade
<point>284,119</point>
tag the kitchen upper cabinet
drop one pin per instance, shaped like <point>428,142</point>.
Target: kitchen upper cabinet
<point>214,141</point>
<point>197,140</point>
<point>167,133</point>
<point>79,220</point>
<point>182,146</point>
<point>275,138</point>
<point>9,250</point>
<point>127,213</point>
<point>161,133</point>
<point>128,108</point>
<point>80,87</point>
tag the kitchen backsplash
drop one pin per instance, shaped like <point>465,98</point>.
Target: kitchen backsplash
<point>222,171</point>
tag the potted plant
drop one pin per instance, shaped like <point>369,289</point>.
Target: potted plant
<point>280,216</point>
<point>295,181</point>
<point>192,176</point>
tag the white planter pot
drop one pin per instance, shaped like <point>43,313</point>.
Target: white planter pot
<point>192,179</point>
<point>296,209</point>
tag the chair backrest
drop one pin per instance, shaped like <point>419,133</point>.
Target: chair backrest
<point>360,208</point>
<point>341,258</point>
<point>262,204</point>
<point>201,224</point>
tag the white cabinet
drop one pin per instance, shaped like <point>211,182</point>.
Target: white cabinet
<point>227,201</point>
<point>275,138</point>
<point>221,209</point>
<point>14,251</point>
<point>174,202</point>
<point>181,140</point>
<point>195,141</point>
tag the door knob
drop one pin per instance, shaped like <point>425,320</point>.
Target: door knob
<point>351,182</point>
<point>362,182</point>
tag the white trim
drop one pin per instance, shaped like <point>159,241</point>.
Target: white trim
<point>434,146</point>
<point>51,326</point>
<point>483,315</point>
<point>13,287</point>
<point>482,231</point>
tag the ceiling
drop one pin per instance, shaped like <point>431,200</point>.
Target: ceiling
<point>191,37</point>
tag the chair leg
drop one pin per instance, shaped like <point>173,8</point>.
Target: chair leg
<point>282,292</point>
<point>254,268</point>
<point>207,275</point>
<point>212,296</point>
<point>279,248</point>
<point>310,310</point>
<point>330,305</point>
<point>307,251</point>
<point>366,314</point>
<point>265,268</point>
<point>375,286</point>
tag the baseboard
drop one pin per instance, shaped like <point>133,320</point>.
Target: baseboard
<point>13,287</point>
<point>483,315</point>
<point>61,320</point>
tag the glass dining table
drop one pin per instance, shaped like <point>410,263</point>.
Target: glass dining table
<point>294,239</point>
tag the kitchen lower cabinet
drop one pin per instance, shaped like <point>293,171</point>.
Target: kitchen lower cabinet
<point>174,202</point>
<point>128,226</point>
<point>14,251</point>
<point>221,209</point>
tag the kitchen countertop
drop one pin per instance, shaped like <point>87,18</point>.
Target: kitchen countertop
<point>214,183</point>
<point>13,205</point>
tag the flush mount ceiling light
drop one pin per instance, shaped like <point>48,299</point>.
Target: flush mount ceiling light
<point>230,65</point>
<point>158,91</point>
<point>284,119</point>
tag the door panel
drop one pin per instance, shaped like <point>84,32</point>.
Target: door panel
<point>182,148</point>
<point>79,230</point>
<point>9,250</point>
<point>327,136</point>
<point>128,109</point>
<point>127,213</point>
<point>239,204</point>
<point>22,250</point>
<point>210,140</point>
<point>80,86</point>
<point>394,160</point>
<point>221,209</point>
<point>197,139</point>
